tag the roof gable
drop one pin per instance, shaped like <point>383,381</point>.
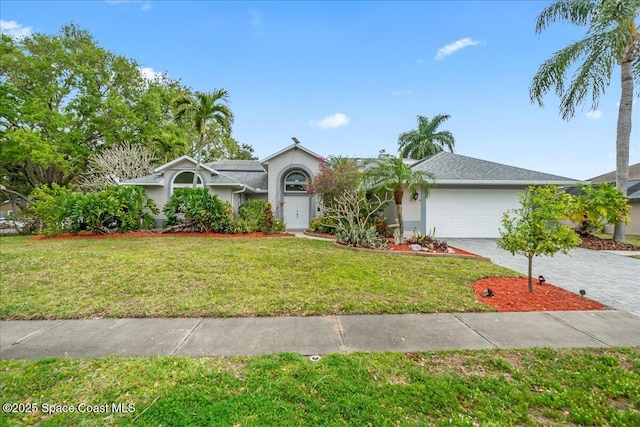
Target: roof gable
<point>172,164</point>
<point>455,168</point>
<point>295,146</point>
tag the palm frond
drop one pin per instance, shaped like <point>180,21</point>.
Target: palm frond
<point>576,12</point>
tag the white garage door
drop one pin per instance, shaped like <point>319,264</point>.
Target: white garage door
<point>468,213</point>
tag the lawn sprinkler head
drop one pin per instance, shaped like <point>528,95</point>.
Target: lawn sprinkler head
<point>315,358</point>
<point>541,280</point>
<point>582,293</point>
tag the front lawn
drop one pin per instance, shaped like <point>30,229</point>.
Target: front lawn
<point>505,388</point>
<point>205,277</point>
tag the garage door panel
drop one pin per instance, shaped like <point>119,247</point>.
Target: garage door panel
<point>468,213</point>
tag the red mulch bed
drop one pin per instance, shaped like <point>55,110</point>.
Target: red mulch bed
<point>90,235</point>
<point>406,248</point>
<point>512,294</point>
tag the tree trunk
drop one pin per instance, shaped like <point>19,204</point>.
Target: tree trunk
<point>398,194</point>
<point>199,156</point>
<point>624,134</point>
<point>530,258</point>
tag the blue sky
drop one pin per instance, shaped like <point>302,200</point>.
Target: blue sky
<point>346,78</point>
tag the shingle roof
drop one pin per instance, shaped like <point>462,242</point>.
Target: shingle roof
<point>634,175</point>
<point>633,190</point>
<point>450,168</point>
<point>236,165</point>
<point>255,181</point>
<point>155,179</point>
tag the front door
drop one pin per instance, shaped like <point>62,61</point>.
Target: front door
<point>296,212</point>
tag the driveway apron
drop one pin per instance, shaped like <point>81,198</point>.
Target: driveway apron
<point>612,279</point>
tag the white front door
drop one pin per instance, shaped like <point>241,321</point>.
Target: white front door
<point>296,212</point>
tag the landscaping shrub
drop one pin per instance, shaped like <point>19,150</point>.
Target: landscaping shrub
<point>596,206</point>
<point>52,205</point>
<point>195,208</point>
<point>361,238</point>
<point>427,241</point>
<point>323,224</point>
<point>382,227</point>
<point>249,217</point>
<point>252,209</point>
<point>115,209</point>
<point>269,224</point>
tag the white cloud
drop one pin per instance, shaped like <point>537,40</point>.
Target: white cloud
<point>454,47</point>
<point>419,61</point>
<point>401,92</point>
<point>593,114</point>
<point>15,30</point>
<point>331,122</point>
<point>149,74</point>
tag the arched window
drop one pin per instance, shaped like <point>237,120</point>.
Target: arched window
<point>184,180</point>
<point>296,182</point>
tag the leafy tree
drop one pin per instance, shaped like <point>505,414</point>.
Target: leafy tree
<point>337,175</point>
<point>426,140</point>
<point>202,109</point>
<point>219,144</point>
<point>597,205</point>
<point>392,174</point>
<point>64,98</point>
<point>534,229</point>
<point>611,39</point>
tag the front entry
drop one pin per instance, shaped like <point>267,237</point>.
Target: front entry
<point>296,212</point>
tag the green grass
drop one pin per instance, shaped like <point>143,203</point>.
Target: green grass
<point>194,277</point>
<point>504,388</point>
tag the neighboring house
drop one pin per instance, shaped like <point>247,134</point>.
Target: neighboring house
<point>280,179</point>
<point>468,199</point>
<point>7,209</point>
<point>633,194</point>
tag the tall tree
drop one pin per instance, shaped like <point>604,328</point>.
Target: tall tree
<point>201,109</point>
<point>64,98</point>
<point>393,174</point>
<point>611,39</point>
<point>426,140</point>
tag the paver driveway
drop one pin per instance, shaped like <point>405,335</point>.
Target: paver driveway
<point>613,280</point>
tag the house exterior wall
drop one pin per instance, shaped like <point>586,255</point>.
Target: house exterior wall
<point>468,212</point>
<point>279,166</point>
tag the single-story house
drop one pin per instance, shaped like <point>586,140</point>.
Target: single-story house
<point>281,179</point>
<point>633,195</point>
<point>468,199</point>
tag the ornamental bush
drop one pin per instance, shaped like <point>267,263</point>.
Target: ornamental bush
<point>268,223</point>
<point>115,209</point>
<point>597,205</point>
<point>51,206</point>
<point>197,209</point>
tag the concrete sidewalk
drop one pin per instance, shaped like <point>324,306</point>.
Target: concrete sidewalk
<point>315,335</point>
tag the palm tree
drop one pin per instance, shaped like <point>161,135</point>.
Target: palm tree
<point>426,140</point>
<point>392,174</point>
<point>612,39</point>
<point>202,109</point>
